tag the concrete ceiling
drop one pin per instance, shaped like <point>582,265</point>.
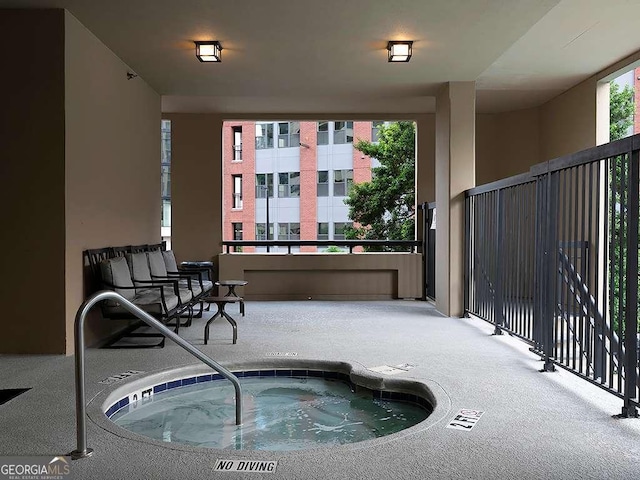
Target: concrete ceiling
<point>329,56</point>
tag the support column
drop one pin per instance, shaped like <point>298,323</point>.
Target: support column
<point>196,186</point>
<point>455,173</point>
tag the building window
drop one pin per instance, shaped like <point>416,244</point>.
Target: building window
<point>323,183</point>
<point>288,231</point>
<point>237,191</point>
<point>237,144</point>
<point>323,231</point>
<point>289,184</point>
<point>323,133</point>
<point>264,181</point>
<point>343,132</point>
<point>165,172</point>
<point>288,134</point>
<point>261,231</point>
<point>338,230</point>
<point>237,231</point>
<point>264,135</point>
<point>375,130</point>
<point>342,181</point>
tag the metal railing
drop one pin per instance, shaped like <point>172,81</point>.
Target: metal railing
<point>81,450</point>
<point>410,245</point>
<point>429,249</point>
<point>237,152</point>
<point>552,257</point>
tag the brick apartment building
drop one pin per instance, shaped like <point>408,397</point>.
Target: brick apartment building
<point>305,168</point>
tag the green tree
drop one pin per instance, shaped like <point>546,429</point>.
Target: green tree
<point>621,110</point>
<point>384,207</point>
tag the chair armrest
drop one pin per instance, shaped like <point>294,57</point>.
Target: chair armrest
<point>169,279</point>
<point>160,284</point>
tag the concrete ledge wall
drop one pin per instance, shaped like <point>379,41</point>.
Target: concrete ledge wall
<point>359,276</point>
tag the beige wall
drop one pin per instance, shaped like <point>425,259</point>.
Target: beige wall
<point>80,153</point>
<point>506,144</point>
<point>510,143</point>
<point>112,161</point>
<point>338,276</point>
<point>196,185</point>
<point>568,122</point>
<point>32,182</point>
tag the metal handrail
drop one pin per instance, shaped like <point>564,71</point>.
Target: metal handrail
<point>81,428</point>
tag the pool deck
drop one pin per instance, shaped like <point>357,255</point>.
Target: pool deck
<point>535,425</point>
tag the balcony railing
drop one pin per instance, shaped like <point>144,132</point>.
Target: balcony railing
<point>552,257</point>
<point>237,152</point>
<point>410,245</point>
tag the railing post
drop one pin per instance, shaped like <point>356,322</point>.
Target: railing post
<point>548,285</point>
<point>498,306</point>
<point>629,409</point>
<point>467,254</point>
<point>425,225</point>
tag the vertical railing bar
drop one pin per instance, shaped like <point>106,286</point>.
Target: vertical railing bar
<point>575,239</point>
<point>572,301</point>
<point>583,264</point>
<point>552,274</point>
<point>588,278</point>
<point>631,320</point>
<point>598,287</point>
<point>565,210</point>
<point>474,226</point>
<point>529,205</point>
<point>612,179</point>
<point>517,271</point>
<point>467,246</point>
<point>623,188</point>
<point>537,294</point>
<point>514,255</point>
<point>483,258</point>
<point>498,312</point>
<point>499,262</point>
<point>477,252</point>
<point>520,271</point>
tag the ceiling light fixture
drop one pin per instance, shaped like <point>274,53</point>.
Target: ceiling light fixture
<point>209,51</point>
<point>399,51</point>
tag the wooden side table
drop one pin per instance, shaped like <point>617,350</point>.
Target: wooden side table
<point>231,285</point>
<point>221,302</point>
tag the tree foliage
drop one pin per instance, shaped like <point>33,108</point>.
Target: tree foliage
<point>621,110</point>
<point>383,208</point>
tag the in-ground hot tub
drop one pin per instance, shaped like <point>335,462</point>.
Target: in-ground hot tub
<point>293,406</point>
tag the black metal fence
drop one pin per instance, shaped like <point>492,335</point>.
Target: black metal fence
<point>429,249</point>
<point>552,257</point>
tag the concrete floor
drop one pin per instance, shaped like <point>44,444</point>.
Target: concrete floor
<point>535,425</point>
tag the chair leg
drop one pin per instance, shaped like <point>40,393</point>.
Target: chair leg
<point>190,319</point>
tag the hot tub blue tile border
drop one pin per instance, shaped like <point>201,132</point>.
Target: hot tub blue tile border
<point>329,375</point>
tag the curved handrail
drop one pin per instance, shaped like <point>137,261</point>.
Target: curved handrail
<point>81,427</point>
